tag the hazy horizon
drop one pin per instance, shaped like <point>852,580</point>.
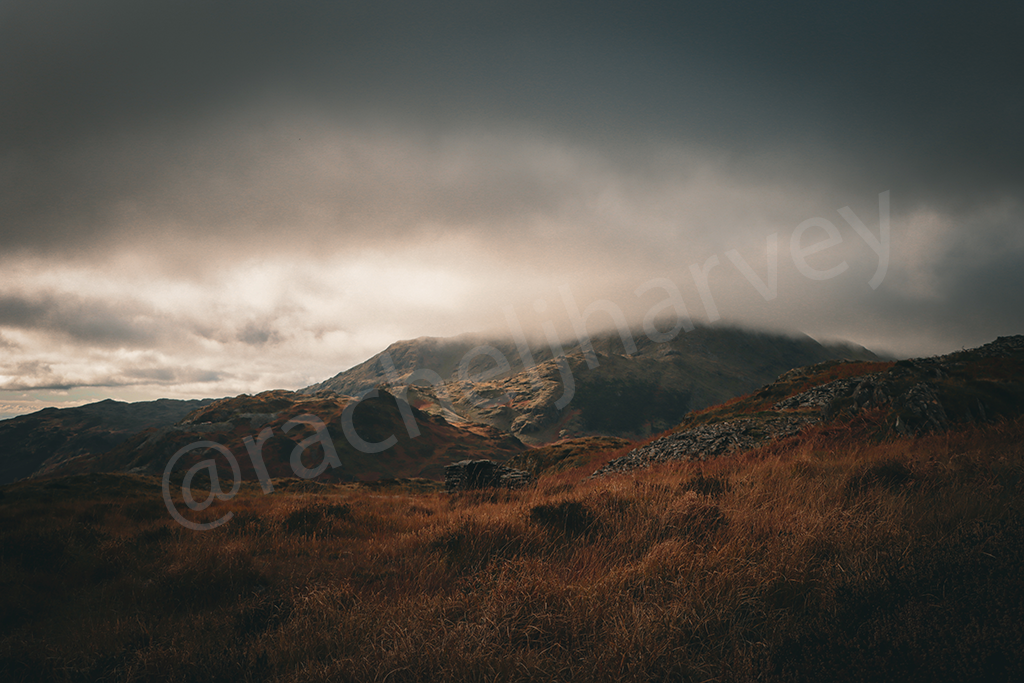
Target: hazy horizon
<point>203,199</point>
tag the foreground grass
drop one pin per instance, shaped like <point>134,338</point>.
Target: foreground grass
<point>821,559</point>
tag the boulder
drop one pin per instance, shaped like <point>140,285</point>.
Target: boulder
<point>467,475</point>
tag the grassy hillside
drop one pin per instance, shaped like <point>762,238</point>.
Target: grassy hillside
<point>230,421</point>
<point>826,556</point>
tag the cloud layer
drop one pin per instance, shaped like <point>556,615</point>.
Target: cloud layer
<point>202,198</point>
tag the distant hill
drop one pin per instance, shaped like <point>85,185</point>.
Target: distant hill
<point>53,435</point>
<point>609,392</point>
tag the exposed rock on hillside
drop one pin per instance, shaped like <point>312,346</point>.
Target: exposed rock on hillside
<point>708,441</point>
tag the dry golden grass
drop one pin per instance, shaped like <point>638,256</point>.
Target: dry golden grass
<point>821,558</point>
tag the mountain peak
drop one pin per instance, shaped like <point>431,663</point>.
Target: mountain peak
<point>619,383</point>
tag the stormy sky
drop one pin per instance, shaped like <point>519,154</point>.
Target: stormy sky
<point>207,197</point>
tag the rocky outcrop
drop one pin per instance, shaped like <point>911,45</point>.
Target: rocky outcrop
<point>821,396</point>
<point>708,441</point>
<point>919,410</point>
<point>467,475</point>
<point>1002,346</point>
<point>910,390</point>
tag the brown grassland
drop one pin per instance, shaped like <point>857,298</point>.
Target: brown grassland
<point>831,556</point>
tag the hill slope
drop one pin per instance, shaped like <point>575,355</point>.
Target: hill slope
<point>470,399</point>
<point>889,398</point>
<point>229,422</point>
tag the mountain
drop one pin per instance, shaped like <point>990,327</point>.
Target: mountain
<point>52,435</point>
<point>604,388</point>
<point>439,401</point>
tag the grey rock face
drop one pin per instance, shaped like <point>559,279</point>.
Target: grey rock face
<point>921,411</point>
<point>708,441</point>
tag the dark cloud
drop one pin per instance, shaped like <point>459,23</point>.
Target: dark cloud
<point>42,376</point>
<point>559,143</point>
<point>982,294</point>
<point>256,188</point>
<point>94,322</point>
<point>257,334</point>
<point>920,99</point>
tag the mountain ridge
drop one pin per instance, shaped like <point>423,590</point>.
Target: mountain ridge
<point>541,393</point>
<point>469,396</point>
<point>264,421</point>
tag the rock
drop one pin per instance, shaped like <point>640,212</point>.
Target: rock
<point>467,475</point>
<point>820,396</point>
<point>919,410</point>
<point>708,441</point>
<point>525,424</point>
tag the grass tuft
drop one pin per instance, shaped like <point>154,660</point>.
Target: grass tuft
<point>569,517</point>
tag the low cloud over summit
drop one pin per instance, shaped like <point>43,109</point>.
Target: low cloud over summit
<point>205,198</point>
